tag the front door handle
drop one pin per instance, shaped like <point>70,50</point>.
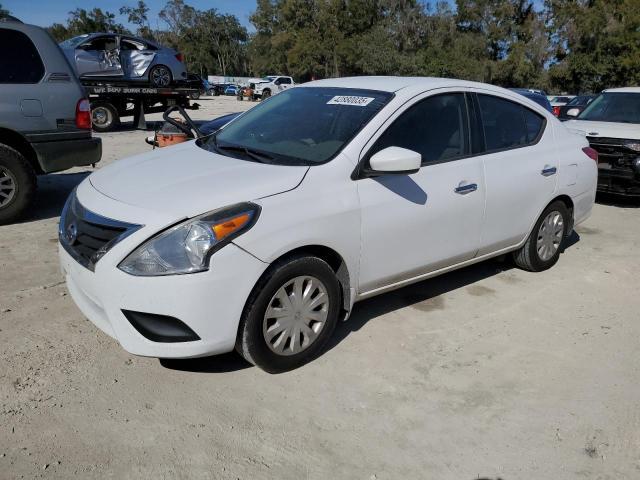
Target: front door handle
<point>464,189</point>
<point>547,171</point>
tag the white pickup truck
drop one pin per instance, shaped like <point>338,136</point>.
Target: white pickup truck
<point>272,85</point>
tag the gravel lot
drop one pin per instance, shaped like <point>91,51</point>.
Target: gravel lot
<point>486,372</point>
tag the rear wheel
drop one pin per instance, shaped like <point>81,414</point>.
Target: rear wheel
<point>542,249</point>
<point>160,76</point>
<point>194,95</point>
<point>17,184</point>
<point>290,314</point>
<point>104,117</point>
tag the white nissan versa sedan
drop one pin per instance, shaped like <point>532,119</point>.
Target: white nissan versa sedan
<point>263,235</point>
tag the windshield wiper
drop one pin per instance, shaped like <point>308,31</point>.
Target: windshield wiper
<point>256,155</point>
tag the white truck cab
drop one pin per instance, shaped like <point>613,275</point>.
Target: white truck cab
<point>272,85</point>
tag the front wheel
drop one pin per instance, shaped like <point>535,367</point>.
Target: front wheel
<point>160,76</point>
<point>542,249</point>
<point>266,94</point>
<point>290,314</point>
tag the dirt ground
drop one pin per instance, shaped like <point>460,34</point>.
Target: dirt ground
<point>488,372</point>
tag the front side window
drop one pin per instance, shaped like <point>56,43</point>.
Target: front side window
<point>300,126</point>
<point>20,61</point>
<point>614,107</point>
<point>508,124</point>
<point>436,127</point>
<point>100,44</point>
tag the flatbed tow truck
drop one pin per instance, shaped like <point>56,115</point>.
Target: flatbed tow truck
<point>110,101</point>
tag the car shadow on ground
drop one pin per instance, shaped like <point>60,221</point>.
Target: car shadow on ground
<point>52,192</point>
<point>621,201</point>
<point>228,362</point>
<point>424,296</point>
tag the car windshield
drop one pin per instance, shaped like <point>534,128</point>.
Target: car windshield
<point>73,42</point>
<point>614,107</point>
<point>300,126</point>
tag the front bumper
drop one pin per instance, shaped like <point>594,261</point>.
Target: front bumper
<point>210,303</point>
<point>619,181</point>
<point>57,155</point>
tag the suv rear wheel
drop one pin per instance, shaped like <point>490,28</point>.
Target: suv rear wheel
<point>17,184</point>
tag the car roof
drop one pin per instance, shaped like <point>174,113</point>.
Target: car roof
<point>394,84</point>
<point>623,90</point>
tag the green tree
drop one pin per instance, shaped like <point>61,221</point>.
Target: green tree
<point>81,21</point>
<point>4,12</point>
<point>596,42</point>
<point>138,16</point>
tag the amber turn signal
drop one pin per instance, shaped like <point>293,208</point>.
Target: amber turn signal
<point>231,225</point>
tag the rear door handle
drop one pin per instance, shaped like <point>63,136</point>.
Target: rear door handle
<point>464,189</point>
<point>547,171</point>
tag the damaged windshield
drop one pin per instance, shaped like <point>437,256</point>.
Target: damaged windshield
<point>300,126</point>
<point>614,107</point>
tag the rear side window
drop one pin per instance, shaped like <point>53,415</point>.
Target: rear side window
<point>20,62</point>
<point>436,127</point>
<point>508,124</point>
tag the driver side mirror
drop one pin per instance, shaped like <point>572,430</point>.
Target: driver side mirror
<point>394,161</point>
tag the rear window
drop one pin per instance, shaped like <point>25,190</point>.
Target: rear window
<point>20,62</point>
<point>508,124</point>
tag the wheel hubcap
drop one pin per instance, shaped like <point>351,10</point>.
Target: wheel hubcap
<point>550,235</point>
<point>7,186</point>
<point>101,116</point>
<point>161,77</point>
<point>295,316</point>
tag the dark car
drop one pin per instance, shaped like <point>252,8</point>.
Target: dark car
<point>217,123</point>
<point>199,86</point>
<point>535,95</point>
<point>575,107</point>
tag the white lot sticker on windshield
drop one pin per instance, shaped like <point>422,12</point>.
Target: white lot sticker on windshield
<point>350,100</point>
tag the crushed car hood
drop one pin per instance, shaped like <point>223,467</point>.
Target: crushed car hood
<point>186,180</point>
<point>605,129</point>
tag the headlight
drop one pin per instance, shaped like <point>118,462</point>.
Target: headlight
<point>187,247</point>
<point>633,145</point>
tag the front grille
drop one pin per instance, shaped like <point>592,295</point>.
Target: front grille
<point>87,236</point>
<point>613,152</point>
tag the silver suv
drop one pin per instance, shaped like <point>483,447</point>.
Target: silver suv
<point>45,116</point>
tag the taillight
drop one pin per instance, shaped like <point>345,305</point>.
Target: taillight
<point>556,111</point>
<point>83,114</point>
<point>591,153</point>
<point>179,57</point>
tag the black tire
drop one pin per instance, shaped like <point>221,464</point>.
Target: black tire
<point>251,342</point>
<point>528,256</point>
<point>266,94</point>
<point>18,184</point>
<point>159,80</point>
<point>194,95</point>
<point>104,117</point>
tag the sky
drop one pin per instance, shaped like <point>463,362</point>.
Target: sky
<point>46,12</point>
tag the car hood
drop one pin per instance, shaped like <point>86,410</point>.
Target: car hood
<point>605,129</point>
<point>186,180</point>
